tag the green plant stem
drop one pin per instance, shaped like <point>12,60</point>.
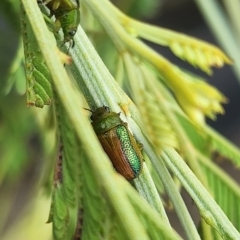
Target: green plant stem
<point>72,105</point>
<point>134,198</point>
<point>106,14</point>
<point>92,76</point>
<point>168,183</point>
<point>150,193</point>
<point>223,146</point>
<point>220,173</point>
<point>102,89</point>
<point>185,143</point>
<point>215,17</point>
<point>208,208</point>
<point>83,128</point>
<point>233,9</point>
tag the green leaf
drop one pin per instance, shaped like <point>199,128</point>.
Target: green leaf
<point>60,215</point>
<point>225,190</point>
<point>39,91</point>
<point>223,146</point>
<point>198,53</point>
<point>150,104</point>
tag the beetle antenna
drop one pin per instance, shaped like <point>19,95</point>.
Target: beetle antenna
<point>88,110</point>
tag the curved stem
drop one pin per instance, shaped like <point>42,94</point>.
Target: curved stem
<point>209,210</point>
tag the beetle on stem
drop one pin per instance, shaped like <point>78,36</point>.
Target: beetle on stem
<point>118,142</point>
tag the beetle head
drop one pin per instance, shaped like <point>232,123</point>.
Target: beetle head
<point>99,113</point>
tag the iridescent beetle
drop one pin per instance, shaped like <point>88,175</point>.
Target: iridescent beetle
<point>67,16</point>
<point>118,142</point>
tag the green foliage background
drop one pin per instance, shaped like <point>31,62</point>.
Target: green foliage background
<point>90,197</point>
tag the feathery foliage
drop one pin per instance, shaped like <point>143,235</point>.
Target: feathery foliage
<point>89,199</point>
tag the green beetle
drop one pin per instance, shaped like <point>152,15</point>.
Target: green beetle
<point>67,16</point>
<point>117,141</point>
